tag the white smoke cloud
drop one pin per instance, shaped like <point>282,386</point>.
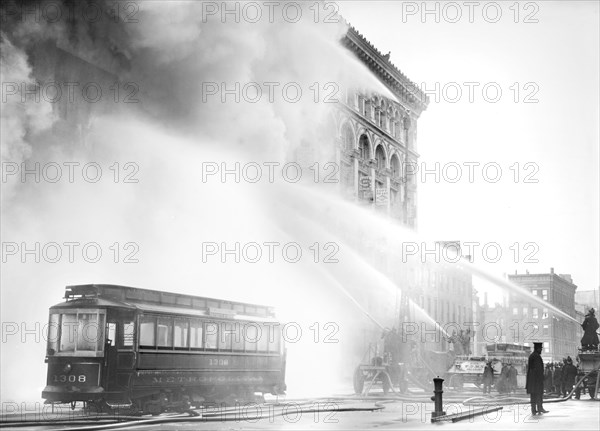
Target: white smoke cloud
<point>20,122</point>
<point>168,135</point>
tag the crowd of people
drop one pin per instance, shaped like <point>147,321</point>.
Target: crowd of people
<point>556,378</point>
<point>559,377</point>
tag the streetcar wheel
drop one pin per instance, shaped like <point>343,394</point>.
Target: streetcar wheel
<point>358,381</point>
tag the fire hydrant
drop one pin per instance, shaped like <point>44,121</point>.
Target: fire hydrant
<point>437,398</point>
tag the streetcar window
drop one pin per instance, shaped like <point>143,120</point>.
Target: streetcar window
<point>250,335</point>
<point>79,332</point>
<point>68,328</point>
<point>211,332</point>
<point>226,335</point>
<point>165,332</point>
<point>181,333</point>
<point>196,334</point>
<point>147,324</point>
<point>275,339</point>
<point>127,334</point>
<point>237,342</point>
<point>53,333</point>
<point>88,331</point>
<point>263,340</point>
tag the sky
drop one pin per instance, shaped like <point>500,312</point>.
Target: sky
<point>549,127</point>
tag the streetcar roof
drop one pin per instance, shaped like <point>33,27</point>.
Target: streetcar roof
<point>214,313</point>
<point>108,295</point>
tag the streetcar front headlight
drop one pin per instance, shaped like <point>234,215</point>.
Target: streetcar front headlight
<point>67,368</point>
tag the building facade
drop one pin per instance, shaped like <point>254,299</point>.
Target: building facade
<point>525,321</point>
<point>377,155</point>
<point>377,136</point>
<point>445,292</point>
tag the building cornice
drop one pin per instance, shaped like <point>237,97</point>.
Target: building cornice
<point>548,276</point>
<point>407,92</point>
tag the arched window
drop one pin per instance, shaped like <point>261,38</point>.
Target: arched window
<point>361,103</point>
<point>380,157</point>
<point>406,128</point>
<point>395,166</point>
<point>393,124</point>
<point>368,105</point>
<point>381,115</point>
<point>364,148</point>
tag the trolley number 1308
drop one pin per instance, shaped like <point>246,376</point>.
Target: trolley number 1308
<point>71,378</point>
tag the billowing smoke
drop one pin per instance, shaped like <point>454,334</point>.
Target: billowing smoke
<point>126,178</point>
<point>21,122</point>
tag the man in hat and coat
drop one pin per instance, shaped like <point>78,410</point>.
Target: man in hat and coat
<point>488,378</point>
<point>589,340</point>
<point>535,380</point>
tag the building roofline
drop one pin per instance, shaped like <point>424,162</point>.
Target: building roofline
<point>546,274</point>
<point>406,90</point>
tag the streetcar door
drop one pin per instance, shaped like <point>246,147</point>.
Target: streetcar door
<point>119,351</point>
<point>125,344</point>
<point>110,353</point>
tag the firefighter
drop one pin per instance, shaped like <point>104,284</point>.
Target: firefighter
<point>535,380</point>
<point>589,341</point>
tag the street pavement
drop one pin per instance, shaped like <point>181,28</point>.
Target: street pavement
<point>340,414</point>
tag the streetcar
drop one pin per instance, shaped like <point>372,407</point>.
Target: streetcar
<point>149,351</point>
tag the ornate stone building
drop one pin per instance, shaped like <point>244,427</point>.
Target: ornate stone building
<point>377,136</point>
<point>377,141</point>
